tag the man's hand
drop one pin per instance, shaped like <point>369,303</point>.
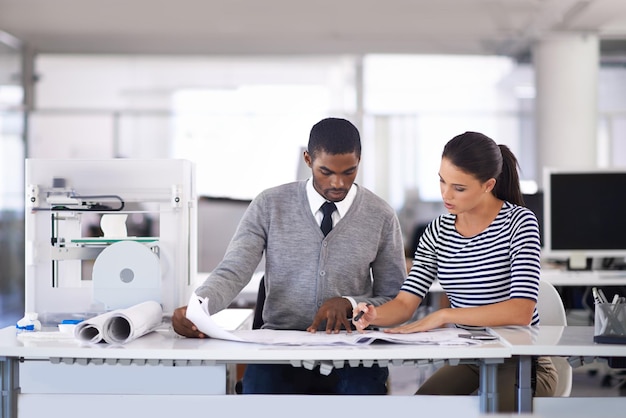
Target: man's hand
<point>335,312</point>
<point>184,326</point>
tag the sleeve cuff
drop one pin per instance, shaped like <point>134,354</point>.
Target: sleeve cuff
<point>351,300</point>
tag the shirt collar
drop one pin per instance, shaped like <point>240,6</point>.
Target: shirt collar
<point>316,200</point>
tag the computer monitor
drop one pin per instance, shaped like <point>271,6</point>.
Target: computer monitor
<point>534,202</point>
<point>218,219</point>
<point>584,214</point>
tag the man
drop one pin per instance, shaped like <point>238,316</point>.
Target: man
<point>313,280</point>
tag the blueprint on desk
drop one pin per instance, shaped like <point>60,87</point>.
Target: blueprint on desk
<point>197,312</point>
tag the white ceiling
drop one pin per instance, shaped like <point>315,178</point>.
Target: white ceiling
<point>506,27</point>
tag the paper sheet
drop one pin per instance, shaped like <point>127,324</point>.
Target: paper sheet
<point>197,312</point>
<point>121,325</point>
<point>447,336</point>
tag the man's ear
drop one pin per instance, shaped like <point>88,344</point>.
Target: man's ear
<point>307,159</point>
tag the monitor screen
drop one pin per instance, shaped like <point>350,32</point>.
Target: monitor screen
<point>218,219</point>
<point>585,213</point>
<point>534,202</point>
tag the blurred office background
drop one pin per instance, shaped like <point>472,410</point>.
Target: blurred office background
<point>236,86</point>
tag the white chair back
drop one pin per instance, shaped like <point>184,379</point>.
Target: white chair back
<point>552,312</point>
<point>550,305</point>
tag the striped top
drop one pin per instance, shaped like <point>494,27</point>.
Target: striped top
<point>500,263</point>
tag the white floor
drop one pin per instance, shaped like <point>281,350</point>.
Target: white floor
<point>597,379</point>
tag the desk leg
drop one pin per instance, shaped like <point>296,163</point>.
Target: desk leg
<point>488,391</point>
<point>524,389</point>
<point>10,385</point>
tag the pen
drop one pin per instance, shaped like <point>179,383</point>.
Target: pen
<point>615,299</point>
<point>360,314</point>
<point>596,296</point>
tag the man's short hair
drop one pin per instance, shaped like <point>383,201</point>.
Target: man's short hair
<point>334,136</point>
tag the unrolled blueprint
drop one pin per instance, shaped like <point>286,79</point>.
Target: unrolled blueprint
<point>197,312</point>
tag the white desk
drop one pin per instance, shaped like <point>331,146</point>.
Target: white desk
<point>576,341</point>
<point>33,370</point>
<point>586,279</point>
<point>562,277</point>
<point>150,356</point>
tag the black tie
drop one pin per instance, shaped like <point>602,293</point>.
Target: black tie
<point>327,222</point>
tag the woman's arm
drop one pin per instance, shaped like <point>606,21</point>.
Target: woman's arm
<point>516,311</point>
<point>397,311</point>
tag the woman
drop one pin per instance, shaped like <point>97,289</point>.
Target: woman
<point>486,255</point>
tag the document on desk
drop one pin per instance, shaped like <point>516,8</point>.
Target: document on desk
<point>443,336</point>
<point>197,312</point>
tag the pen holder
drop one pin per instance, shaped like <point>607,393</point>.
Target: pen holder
<point>610,323</point>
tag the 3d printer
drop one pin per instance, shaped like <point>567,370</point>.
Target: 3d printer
<point>84,252</point>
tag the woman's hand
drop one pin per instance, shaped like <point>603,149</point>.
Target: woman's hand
<point>431,321</point>
<point>363,315</point>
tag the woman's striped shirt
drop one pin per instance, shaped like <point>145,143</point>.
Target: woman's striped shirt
<point>500,263</point>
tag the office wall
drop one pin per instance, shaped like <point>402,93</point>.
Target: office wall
<point>190,107</point>
<point>122,106</point>
<point>612,111</point>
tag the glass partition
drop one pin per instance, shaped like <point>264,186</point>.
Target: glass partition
<point>11,183</point>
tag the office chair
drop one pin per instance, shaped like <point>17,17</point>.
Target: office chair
<point>552,312</point>
<point>257,321</point>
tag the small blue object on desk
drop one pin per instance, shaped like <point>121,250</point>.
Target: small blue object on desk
<point>29,327</point>
<point>67,325</point>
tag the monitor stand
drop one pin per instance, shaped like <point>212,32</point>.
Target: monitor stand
<point>579,262</point>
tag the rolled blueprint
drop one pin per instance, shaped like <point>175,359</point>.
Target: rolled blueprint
<point>92,330</point>
<point>121,325</point>
<point>128,324</point>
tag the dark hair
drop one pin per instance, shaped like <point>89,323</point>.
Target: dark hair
<point>478,155</point>
<point>334,136</point>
